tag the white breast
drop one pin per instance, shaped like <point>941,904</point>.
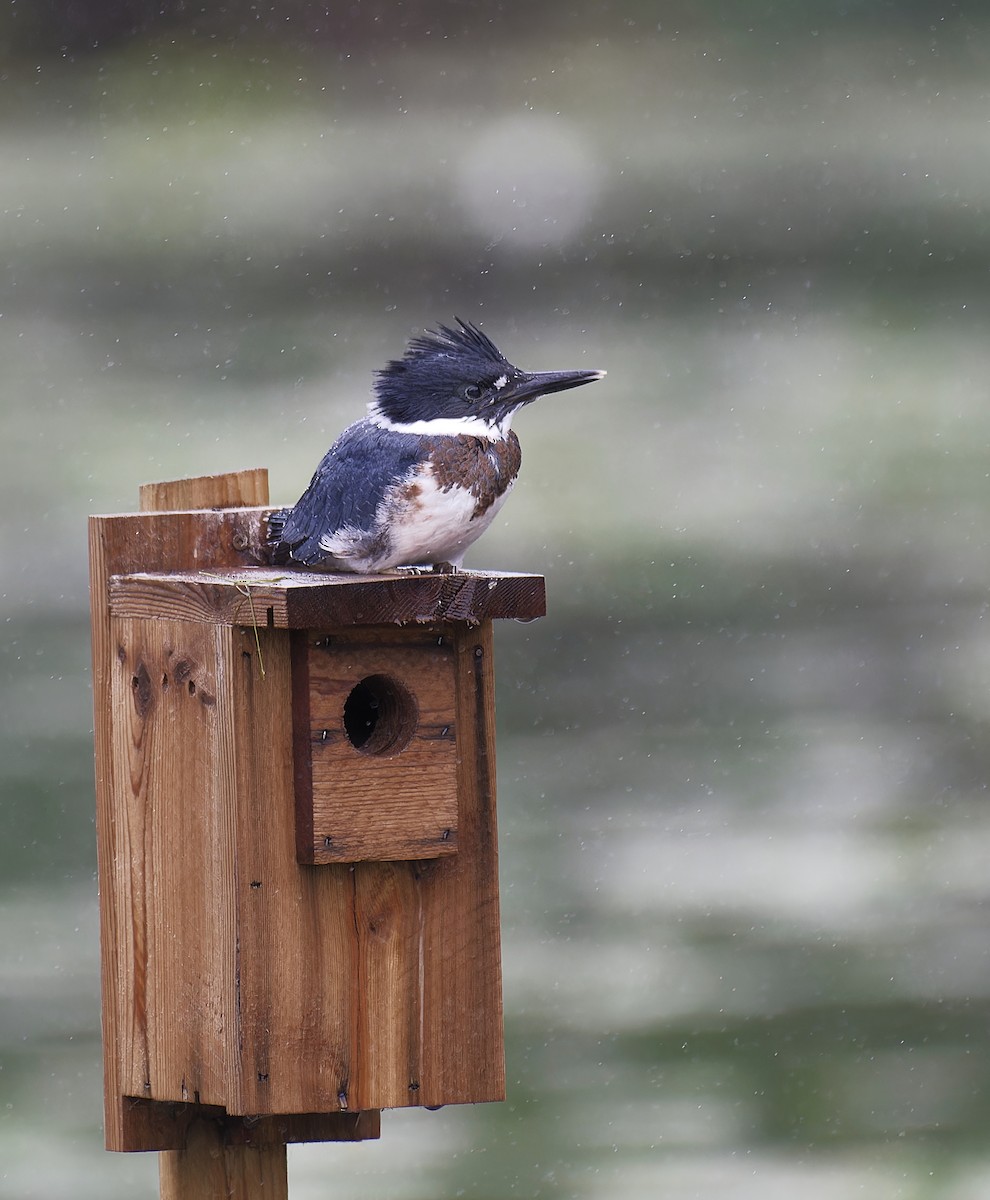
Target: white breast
<point>429,525</point>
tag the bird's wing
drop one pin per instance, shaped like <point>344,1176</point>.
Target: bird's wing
<point>347,489</point>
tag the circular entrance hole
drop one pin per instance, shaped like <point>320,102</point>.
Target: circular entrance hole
<point>380,715</point>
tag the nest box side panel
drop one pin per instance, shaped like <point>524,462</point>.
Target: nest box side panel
<point>122,544</point>
<point>375,733</point>
<point>173,779</point>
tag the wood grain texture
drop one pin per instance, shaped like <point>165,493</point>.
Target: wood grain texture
<point>297,993</point>
<point>170,693</point>
<point>314,600</point>
<point>428,935</point>
<point>209,540</point>
<point>207,1168</point>
<point>167,1124</point>
<point>239,489</point>
<point>353,803</point>
<point>389,922</point>
<point>462,980</point>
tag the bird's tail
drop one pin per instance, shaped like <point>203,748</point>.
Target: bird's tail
<point>273,536</point>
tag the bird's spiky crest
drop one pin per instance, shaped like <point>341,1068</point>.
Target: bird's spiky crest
<point>445,342</point>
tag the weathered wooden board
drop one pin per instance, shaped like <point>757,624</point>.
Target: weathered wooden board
<point>166,1125</point>
<point>375,745</point>
<point>169,693</point>
<point>462,981</point>
<point>206,1168</point>
<point>236,490</point>
<point>297,993</point>
<point>312,600</point>
<point>428,963</point>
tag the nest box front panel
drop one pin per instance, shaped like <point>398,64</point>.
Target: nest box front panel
<point>375,745</point>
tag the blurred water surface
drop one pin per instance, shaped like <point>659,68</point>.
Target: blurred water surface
<point>743,762</point>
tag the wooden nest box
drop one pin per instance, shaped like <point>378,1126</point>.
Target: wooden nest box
<point>296,826</point>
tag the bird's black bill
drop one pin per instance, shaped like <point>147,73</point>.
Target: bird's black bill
<point>529,386</point>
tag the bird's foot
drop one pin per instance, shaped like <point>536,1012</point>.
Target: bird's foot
<point>440,568</point>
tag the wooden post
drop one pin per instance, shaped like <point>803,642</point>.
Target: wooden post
<point>207,1168</point>
<point>297,847</point>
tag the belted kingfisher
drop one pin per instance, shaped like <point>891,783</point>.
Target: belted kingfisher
<point>421,477</point>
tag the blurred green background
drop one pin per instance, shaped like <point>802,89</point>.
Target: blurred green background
<point>743,763</point>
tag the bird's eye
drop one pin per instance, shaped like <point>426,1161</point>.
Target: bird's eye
<point>472,392</point>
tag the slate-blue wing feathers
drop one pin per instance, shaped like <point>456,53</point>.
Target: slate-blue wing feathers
<point>346,491</point>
